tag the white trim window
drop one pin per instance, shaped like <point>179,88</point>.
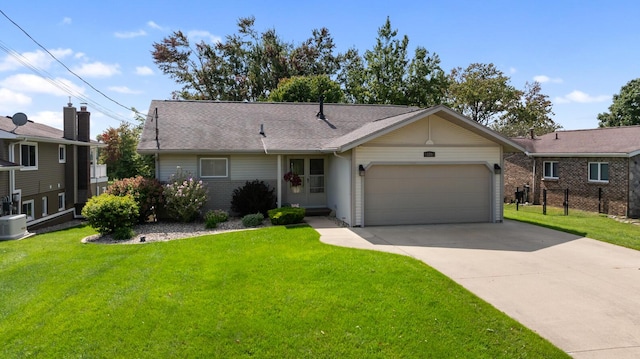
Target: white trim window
<point>61,200</point>
<point>28,207</point>
<point>45,206</point>
<point>550,169</point>
<point>62,154</point>
<point>598,172</point>
<point>214,167</point>
<point>29,156</point>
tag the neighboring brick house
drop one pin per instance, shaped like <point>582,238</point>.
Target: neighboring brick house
<point>599,167</point>
<point>46,173</point>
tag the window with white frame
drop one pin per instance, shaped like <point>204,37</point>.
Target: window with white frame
<point>214,167</point>
<point>45,206</point>
<point>598,172</point>
<point>29,155</point>
<point>551,169</point>
<point>61,201</point>
<point>62,154</point>
<point>28,209</point>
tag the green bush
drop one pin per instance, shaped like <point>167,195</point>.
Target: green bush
<point>252,220</point>
<point>213,217</point>
<point>146,191</point>
<point>184,197</point>
<point>254,197</point>
<point>108,213</point>
<point>286,215</point>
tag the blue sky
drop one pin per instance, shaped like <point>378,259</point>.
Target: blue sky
<point>582,52</point>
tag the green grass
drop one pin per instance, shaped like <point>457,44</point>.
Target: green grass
<point>585,224</point>
<point>268,293</point>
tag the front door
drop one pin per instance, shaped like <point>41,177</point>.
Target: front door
<point>312,191</point>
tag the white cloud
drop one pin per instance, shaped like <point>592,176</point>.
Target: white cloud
<point>153,25</point>
<point>544,78</point>
<point>205,35</point>
<point>512,70</point>
<point>12,101</point>
<point>144,71</point>
<point>66,21</point>
<point>38,58</point>
<point>581,97</point>
<point>124,90</point>
<point>130,34</point>
<point>97,69</point>
<point>35,84</point>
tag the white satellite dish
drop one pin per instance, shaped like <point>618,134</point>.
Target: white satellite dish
<point>19,119</point>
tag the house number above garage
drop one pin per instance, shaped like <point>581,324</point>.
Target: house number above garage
<point>429,154</point>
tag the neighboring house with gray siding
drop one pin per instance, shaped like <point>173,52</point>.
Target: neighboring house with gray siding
<point>600,168</point>
<point>368,164</point>
<point>46,173</point>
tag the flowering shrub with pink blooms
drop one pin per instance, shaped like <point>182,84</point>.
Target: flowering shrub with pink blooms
<point>184,196</point>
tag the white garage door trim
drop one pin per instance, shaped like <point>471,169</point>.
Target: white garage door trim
<point>394,193</point>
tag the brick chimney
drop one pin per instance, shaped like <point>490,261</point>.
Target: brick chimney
<point>84,156</point>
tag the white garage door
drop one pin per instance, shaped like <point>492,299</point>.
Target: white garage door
<point>425,194</point>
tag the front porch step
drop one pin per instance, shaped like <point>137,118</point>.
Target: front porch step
<point>314,212</point>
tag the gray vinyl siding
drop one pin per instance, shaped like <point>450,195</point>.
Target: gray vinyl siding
<point>48,177</point>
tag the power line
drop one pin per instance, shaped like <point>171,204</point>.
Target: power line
<point>70,71</point>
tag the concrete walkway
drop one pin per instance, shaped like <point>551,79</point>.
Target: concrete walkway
<point>582,295</point>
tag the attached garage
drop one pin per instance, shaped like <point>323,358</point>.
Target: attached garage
<point>427,194</point>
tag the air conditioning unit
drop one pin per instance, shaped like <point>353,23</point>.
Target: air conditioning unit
<point>13,226</point>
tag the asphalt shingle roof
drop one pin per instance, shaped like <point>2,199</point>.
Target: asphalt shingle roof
<point>608,140</point>
<point>30,129</point>
<point>211,126</point>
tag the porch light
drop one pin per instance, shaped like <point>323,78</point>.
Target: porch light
<point>496,168</point>
<point>361,170</point>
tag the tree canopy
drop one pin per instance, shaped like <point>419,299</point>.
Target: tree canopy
<point>481,92</point>
<point>385,74</point>
<point>532,110</point>
<point>245,66</point>
<point>307,89</point>
<point>625,109</point>
<point>120,155</point>
<point>253,66</point>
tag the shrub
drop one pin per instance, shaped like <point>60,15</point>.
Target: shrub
<point>286,215</point>
<point>147,193</point>
<point>108,213</point>
<point>184,197</point>
<point>254,197</point>
<point>252,220</point>
<point>213,217</point>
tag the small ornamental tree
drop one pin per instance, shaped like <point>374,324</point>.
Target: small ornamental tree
<point>184,196</point>
<point>147,193</point>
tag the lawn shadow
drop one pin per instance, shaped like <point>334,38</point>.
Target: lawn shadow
<point>506,236</point>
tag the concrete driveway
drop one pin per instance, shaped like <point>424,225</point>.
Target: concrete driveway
<point>582,295</point>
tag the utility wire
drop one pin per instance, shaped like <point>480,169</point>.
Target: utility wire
<point>67,68</point>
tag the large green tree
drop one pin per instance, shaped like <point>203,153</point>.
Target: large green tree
<point>245,66</point>
<point>532,111</point>
<point>481,92</point>
<point>386,74</point>
<point>120,155</point>
<point>625,109</point>
<point>307,89</point>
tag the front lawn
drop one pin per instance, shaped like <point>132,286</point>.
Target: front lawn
<point>586,224</point>
<point>268,293</point>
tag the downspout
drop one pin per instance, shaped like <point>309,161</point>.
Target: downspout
<point>533,179</point>
<point>279,181</point>
<point>12,176</point>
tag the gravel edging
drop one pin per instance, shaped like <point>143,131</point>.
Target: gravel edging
<point>167,231</point>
